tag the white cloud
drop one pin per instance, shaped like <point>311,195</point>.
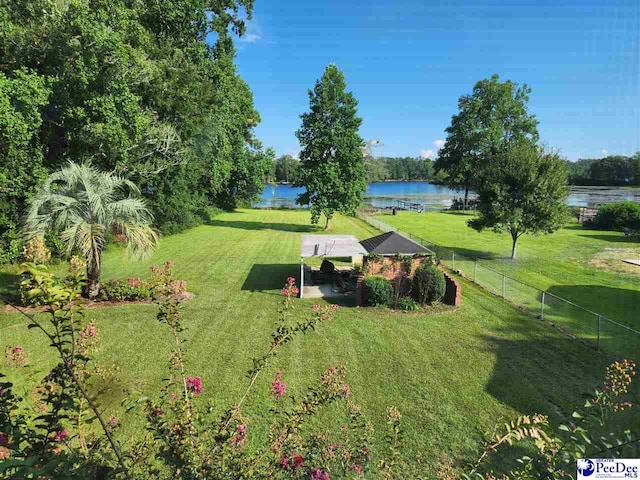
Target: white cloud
<point>604,151</point>
<point>250,38</point>
<point>431,152</point>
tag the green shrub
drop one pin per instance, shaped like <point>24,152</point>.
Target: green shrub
<point>378,290</point>
<point>619,216</point>
<point>428,284</point>
<point>126,290</point>
<point>408,304</point>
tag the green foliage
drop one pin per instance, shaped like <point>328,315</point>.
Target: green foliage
<point>82,204</point>
<point>560,446</point>
<point>134,88</point>
<point>39,286</point>
<point>285,169</point>
<point>129,289</point>
<point>331,160</point>
<point>489,119</point>
<point>523,191</point>
<point>22,97</point>
<point>379,169</point>
<point>613,170</point>
<point>378,291</point>
<point>428,284</point>
<point>408,304</point>
<point>620,217</point>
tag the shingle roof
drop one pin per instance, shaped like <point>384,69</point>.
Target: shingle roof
<point>391,243</point>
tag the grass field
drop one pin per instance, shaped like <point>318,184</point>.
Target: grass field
<point>584,266</point>
<point>453,374</point>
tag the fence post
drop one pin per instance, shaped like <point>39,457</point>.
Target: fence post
<point>453,260</point>
<point>598,332</point>
<point>475,271</point>
<point>542,307</point>
<point>504,280</point>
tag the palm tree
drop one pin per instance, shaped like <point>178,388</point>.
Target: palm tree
<point>83,204</point>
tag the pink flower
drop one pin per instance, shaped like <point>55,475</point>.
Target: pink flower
<point>157,412</point>
<point>278,387</point>
<point>60,435</point>
<point>284,292</point>
<point>194,385</point>
<point>315,307</point>
<point>291,280</point>
<point>298,460</point>
<point>17,349</point>
<point>173,396</point>
<point>240,435</point>
<point>295,290</point>
<point>346,390</point>
<point>4,440</point>
<point>284,463</point>
<point>356,468</point>
<point>335,307</point>
<point>317,474</point>
<point>4,453</point>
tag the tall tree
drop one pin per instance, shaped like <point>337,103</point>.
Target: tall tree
<point>523,190</point>
<point>493,116</point>
<point>331,160</point>
<point>22,96</point>
<point>83,204</point>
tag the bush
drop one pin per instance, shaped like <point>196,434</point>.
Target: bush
<point>36,251</point>
<point>408,304</point>
<point>620,216</point>
<point>428,284</point>
<point>129,289</point>
<point>378,290</point>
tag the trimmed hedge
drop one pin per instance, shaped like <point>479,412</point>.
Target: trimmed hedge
<point>378,290</point>
<point>428,284</point>
<point>619,216</point>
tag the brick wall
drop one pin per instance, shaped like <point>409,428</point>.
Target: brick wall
<point>453,292</point>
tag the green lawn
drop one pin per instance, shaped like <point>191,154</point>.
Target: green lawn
<point>584,266</point>
<point>452,374</point>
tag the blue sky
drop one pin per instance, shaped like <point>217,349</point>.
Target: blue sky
<point>407,62</point>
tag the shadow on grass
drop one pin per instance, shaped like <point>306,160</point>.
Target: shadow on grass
<point>551,376</point>
<point>9,287</point>
<point>284,227</point>
<point>599,297</point>
<point>615,238</point>
<point>270,276</point>
<point>476,254</point>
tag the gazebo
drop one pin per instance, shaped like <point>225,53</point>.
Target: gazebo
<point>394,243</point>
<point>328,246</point>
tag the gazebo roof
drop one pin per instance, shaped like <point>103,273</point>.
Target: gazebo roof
<point>392,243</point>
<point>331,246</point>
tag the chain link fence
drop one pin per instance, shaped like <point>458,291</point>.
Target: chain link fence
<point>601,332</point>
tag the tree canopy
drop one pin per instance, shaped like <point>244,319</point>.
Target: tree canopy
<point>612,170</point>
<point>493,116</point>
<point>524,190</point>
<point>133,87</point>
<point>331,160</point>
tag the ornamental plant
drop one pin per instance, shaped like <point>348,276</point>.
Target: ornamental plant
<point>185,439</point>
<point>559,446</point>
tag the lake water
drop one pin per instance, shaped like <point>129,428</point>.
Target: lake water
<point>435,197</point>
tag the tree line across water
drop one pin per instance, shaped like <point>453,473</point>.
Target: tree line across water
<point>377,169</point>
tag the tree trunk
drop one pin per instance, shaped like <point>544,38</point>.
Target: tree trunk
<point>326,225</point>
<point>466,197</point>
<point>92,288</point>
<point>514,246</point>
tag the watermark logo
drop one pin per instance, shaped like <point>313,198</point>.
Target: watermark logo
<point>609,468</point>
<point>586,467</point>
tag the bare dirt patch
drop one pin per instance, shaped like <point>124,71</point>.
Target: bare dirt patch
<point>612,260</point>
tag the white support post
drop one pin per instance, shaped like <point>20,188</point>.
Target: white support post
<point>301,277</point>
